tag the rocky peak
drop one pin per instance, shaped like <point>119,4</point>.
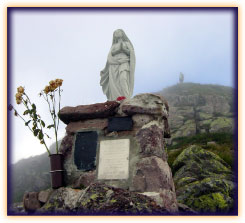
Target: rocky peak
<point>197,108</point>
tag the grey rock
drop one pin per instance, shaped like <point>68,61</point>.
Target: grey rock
<point>141,119</point>
<point>203,181</point>
<point>164,198</point>
<point>145,104</point>
<point>184,209</point>
<point>44,195</point>
<point>85,180</point>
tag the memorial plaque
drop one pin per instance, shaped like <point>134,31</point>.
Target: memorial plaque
<point>114,159</point>
<point>85,150</point>
<point>120,124</point>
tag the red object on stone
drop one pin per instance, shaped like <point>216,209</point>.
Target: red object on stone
<point>121,98</point>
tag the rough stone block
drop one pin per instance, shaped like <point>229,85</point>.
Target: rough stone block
<point>82,112</point>
<point>151,141</point>
<point>164,198</point>
<point>43,196</point>
<point>66,145</point>
<point>74,127</point>
<point>31,202</point>
<point>85,180</point>
<point>141,119</point>
<point>152,174</point>
<point>145,104</point>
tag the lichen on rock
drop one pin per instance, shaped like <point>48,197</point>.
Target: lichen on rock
<point>100,199</point>
<point>203,181</point>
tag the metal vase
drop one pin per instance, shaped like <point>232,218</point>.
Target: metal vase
<point>57,171</point>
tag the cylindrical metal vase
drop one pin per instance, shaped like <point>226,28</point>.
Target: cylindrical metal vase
<point>56,165</point>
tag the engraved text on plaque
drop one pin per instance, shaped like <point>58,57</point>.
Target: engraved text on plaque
<point>114,159</point>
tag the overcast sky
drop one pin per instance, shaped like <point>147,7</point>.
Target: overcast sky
<point>73,45</point>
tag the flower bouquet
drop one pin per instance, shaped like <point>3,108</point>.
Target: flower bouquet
<point>37,126</point>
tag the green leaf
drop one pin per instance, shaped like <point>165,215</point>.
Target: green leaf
<point>33,106</point>
<point>40,135</point>
<point>50,126</point>
<point>27,123</point>
<point>36,131</point>
<point>26,112</point>
<point>42,122</point>
<point>34,126</point>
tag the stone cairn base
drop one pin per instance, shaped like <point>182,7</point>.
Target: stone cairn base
<point>143,120</point>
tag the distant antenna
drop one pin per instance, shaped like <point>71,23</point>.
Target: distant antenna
<point>181,78</point>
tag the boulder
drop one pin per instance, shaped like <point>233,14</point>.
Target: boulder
<point>203,181</point>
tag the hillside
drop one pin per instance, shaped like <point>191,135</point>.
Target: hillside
<point>196,108</point>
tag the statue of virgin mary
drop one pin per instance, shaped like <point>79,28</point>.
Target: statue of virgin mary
<point>117,78</point>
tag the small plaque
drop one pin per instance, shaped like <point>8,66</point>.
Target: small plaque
<point>120,124</point>
<point>114,159</point>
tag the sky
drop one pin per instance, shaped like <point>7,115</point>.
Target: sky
<point>73,46</point>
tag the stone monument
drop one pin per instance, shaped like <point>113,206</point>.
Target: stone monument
<point>120,144</point>
<point>181,78</point>
<point>117,78</point>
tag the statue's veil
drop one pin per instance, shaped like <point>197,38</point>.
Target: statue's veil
<point>124,37</point>
<point>132,58</point>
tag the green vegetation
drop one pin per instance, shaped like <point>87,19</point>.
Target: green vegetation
<point>223,146</point>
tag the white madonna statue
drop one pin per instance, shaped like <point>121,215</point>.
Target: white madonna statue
<point>117,78</point>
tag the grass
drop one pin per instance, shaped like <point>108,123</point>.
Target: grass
<point>223,147</point>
